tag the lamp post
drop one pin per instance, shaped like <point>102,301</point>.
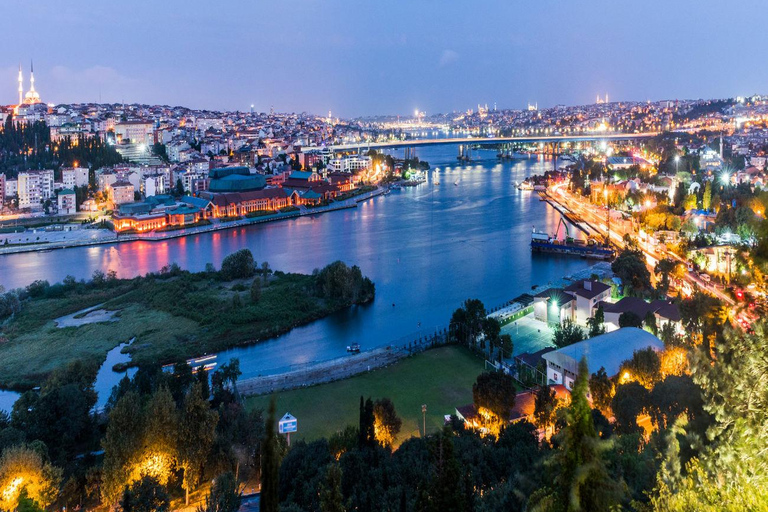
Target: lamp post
<point>677,163</point>
<point>424,419</point>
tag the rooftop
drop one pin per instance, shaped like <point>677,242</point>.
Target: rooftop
<point>607,350</point>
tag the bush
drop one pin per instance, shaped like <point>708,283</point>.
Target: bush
<point>238,265</point>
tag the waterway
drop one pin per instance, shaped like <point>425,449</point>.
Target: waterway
<point>465,233</point>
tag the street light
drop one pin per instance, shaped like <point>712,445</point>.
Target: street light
<point>677,163</point>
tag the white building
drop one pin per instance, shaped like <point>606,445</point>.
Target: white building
<point>72,177</point>
<point>351,163</point>
<point>607,351</point>
<point>174,149</point>
<point>11,188</point>
<point>67,202</point>
<point>587,293</point>
<point>135,132</point>
<point>153,185</point>
<point>34,187</point>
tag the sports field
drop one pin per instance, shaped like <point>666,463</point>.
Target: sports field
<point>441,378</point>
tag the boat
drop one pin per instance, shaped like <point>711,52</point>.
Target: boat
<point>525,185</point>
<point>353,348</point>
<point>590,249</point>
<point>456,183</point>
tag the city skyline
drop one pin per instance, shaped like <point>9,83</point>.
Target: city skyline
<point>368,61</point>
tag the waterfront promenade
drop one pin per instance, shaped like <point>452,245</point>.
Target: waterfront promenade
<point>48,240</point>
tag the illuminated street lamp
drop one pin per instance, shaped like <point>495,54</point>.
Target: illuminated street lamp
<point>677,163</point>
<point>725,178</point>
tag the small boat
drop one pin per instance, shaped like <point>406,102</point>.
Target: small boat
<point>456,183</point>
<point>353,348</point>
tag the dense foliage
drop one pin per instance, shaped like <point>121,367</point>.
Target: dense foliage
<point>29,146</point>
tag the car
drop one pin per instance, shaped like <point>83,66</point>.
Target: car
<point>705,277</point>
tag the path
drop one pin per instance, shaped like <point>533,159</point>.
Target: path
<point>322,372</point>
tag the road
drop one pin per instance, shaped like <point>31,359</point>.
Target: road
<point>487,140</point>
<point>595,216</point>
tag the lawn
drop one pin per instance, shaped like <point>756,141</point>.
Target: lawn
<point>441,378</point>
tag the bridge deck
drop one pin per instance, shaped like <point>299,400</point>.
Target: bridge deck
<point>495,140</point>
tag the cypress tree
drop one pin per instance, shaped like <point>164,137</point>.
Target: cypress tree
<point>270,464</point>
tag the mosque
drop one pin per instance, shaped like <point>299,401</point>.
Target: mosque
<point>29,101</point>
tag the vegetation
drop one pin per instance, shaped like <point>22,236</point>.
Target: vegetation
<point>26,146</point>
<point>173,314</point>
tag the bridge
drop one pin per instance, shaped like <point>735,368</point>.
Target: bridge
<point>547,139</point>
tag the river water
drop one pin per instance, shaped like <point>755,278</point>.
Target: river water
<point>463,234</point>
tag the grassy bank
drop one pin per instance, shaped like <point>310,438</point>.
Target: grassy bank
<point>173,316</point>
<point>441,378</point>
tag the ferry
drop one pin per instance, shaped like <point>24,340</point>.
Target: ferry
<point>353,348</point>
<point>591,248</point>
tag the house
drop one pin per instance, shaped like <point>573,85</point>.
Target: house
<point>523,410</point>
<point>121,192</point>
<point>553,306</point>
<point>608,351</point>
<point>67,202</point>
<point>587,293</point>
<point>663,311</point>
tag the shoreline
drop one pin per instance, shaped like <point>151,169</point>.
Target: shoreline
<point>169,235</point>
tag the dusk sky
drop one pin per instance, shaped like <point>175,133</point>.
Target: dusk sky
<point>363,58</point>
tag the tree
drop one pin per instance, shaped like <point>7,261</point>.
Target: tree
<point>224,495</point>
<point>256,291</point>
<point>22,468</point>
<point>581,482</point>
<point>179,190</point>
<point>644,367</point>
<point>706,200</point>
<point>270,464</point>
<point>730,470</point>
<point>491,331</point>
<point>567,333</point>
<point>367,428</point>
<point>601,388</point>
<point>630,400</point>
<point>495,393</point>
<point>663,269</point>
<point>145,495</point>
<point>505,345</point>
<point>630,319</point>
<point>630,267</point>
<point>265,271</point>
<point>544,408</point>
<point>596,323</point>
<point>331,498</point>
<point>339,282</point>
<point>673,397</point>
<point>386,422</point>
<point>197,432</point>
<point>238,265</point>
<point>121,444</point>
<point>467,322</point>
<point>160,430</point>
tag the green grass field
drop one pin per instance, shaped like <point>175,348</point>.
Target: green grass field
<point>441,378</point>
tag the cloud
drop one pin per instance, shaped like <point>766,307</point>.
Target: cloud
<point>447,58</point>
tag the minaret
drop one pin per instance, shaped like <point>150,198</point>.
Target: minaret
<point>31,77</point>
<point>21,86</point>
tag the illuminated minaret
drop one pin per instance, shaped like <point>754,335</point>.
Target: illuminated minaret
<point>31,77</point>
<point>21,86</point>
